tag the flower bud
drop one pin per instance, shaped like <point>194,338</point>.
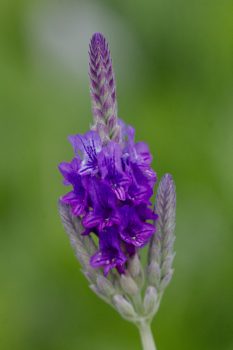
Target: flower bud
<point>154,274</point>
<point>150,301</point>
<point>166,279</point>
<point>167,263</point>
<point>134,266</point>
<point>128,285</point>
<point>161,254</point>
<point>96,290</point>
<point>103,89</point>
<point>105,286</point>
<point>124,307</point>
<point>90,275</point>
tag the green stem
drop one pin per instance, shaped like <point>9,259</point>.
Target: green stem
<point>146,336</point>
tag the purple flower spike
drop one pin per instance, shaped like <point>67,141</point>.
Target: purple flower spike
<point>103,89</point>
<point>111,176</point>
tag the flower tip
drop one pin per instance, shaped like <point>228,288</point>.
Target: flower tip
<point>97,35</point>
<point>166,193</point>
<point>167,177</point>
<point>166,198</point>
<point>167,182</point>
<point>97,39</point>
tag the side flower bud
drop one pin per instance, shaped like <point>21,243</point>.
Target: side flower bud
<point>124,307</point>
<point>83,246</point>
<point>161,253</point>
<point>150,301</point>
<point>128,285</point>
<point>90,275</point>
<point>154,274</point>
<point>136,270</point>
<point>100,294</point>
<point>105,286</point>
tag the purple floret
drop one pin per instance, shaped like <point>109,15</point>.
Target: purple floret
<point>104,212</point>
<point>109,254</point>
<point>87,148</point>
<point>133,230</point>
<point>77,198</point>
<point>112,170</point>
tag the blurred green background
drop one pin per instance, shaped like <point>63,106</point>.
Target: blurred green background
<point>174,67</point>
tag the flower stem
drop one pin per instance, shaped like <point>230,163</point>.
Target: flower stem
<point>146,336</point>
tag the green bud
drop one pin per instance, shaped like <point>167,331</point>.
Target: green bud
<point>128,285</point>
<point>124,307</point>
<point>150,301</point>
<point>105,286</point>
<point>154,274</point>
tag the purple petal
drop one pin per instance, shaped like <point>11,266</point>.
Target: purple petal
<point>77,202</point>
<point>133,230</point>
<point>120,193</point>
<point>146,213</point>
<point>69,198</point>
<point>127,135</point>
<point>87,147</point>
<point>139,237</point>
<point>143,154</point>
<point>112,171</point>
<point>91,220</point>
<point>139,194</point>
<point>78,209</point>
<point>102,196</point>
<point>70,171</point>
<point>110,255</point>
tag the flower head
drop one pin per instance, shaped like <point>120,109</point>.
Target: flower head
<point>111,174</point>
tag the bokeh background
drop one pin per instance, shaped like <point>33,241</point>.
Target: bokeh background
<point>174,67</point>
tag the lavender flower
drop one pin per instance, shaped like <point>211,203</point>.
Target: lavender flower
<point>111,174</point>
<point>112,183</point>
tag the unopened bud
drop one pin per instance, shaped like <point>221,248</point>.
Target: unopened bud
<point>128,285</point>
<point>167,264</point>
<point>134,266</point>
<point>105,286</point>
<point>150,301</point>
<point>154,274</point>
<point>96,290</point>
<point>166,280</point>
<point>90,275</point>
<point>124,307</point>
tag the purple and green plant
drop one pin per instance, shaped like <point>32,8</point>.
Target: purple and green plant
<point>108,215</point>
